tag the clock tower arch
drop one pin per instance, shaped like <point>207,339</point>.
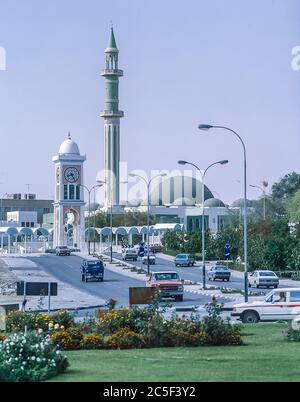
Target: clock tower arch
<point>68,196</point>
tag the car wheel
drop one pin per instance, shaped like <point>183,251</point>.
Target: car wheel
<point>214,279</point>
<point>276,286</point>
<point>250,317</point>
<point>101,279</point>
<point>227,280</point>
<point>249,285</point>
<point>86,279</point>
<point>223,280</point>
<point>82,278</point>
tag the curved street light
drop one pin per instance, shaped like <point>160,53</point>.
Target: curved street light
<point>222,162</point>
<point>208,127</point>
<point>89,190</point>
<point>264,197</point>
<point>148,183</point>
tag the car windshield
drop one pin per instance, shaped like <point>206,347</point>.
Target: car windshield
<point>266,273</point>
<point>63,247</point>
<point>221,268</point>
<point>92,263</point>
<point>181,256</point>
<point>166,276</point>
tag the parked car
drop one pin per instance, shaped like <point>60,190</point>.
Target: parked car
<point>168,283</point>
<point>130,254</point>
<point>219,272</point>
<point>152,258</point>
<point>263,278</point>
<point>92,270</point>
<point>62,250</point>
<point>279,304</point>
<point>182,260</point>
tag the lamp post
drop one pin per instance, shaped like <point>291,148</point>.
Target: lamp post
<point>148,183</point>
<point>264,196</point>
<point>222,162</point>
<point>208,127</point>
<point>89,190</point>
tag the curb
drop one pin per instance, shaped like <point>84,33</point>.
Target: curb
<point>68,309</point>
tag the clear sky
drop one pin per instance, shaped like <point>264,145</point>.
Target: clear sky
<point>185,62</point>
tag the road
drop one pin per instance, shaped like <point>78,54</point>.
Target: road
<point>195,273</point>
<point>67,269</point>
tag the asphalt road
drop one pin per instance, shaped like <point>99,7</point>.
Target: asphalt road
<point>67,269</point>
<point>195,273</point>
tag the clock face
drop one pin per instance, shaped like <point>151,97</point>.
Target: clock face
<point>72,174</point>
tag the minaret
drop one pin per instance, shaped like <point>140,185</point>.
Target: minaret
<point>111,115</point>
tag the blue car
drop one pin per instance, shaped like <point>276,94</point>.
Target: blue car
<point>184,260</point>
<point>92,270</point>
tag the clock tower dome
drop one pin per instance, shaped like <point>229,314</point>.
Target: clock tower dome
<point>69,196</point>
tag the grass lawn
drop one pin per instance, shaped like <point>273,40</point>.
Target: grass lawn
<point>266,356</point>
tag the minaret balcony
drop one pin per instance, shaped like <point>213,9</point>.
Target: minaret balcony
<point>112,72</point>
<point>111,113</point>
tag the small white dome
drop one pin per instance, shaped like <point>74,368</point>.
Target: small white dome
<point>69,147</point>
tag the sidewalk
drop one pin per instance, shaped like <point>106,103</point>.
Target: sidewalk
<point>20,268</point>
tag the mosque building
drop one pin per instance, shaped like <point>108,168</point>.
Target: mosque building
<point>174,199</point>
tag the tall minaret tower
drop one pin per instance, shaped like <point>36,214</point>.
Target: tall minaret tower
<point>111,115</point>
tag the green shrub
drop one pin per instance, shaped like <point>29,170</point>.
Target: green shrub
<point>62,339</point>
<point>295,276</point>
<point>219,331</point>
<point>29,358</point>
<point>76,336</point>
<point>64,318</point>
<point>125,339</point>
<point>18,320</point>
<point>92,341</point>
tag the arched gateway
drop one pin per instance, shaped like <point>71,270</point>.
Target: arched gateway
<point>69,196</point>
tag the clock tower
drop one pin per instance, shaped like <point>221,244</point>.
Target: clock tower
<point>69,196</point>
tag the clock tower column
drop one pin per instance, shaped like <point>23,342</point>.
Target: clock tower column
<point>69,196</point>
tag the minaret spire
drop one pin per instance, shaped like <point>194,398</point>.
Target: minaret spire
<point>111,115</point>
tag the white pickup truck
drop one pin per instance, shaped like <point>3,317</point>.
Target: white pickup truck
<point>279,304</point>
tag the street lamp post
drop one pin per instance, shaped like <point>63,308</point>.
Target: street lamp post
<point>222,162</point>
<point>148,183</point>
<point>89,190</point>
<point>264,197</point>
<point>208,127</point>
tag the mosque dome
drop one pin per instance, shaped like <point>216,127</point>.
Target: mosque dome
<point>69,147</point>
<point>213,203</point>
<point>178,190</point>
<point>240,203</point>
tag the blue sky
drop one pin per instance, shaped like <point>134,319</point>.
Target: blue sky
<point>221,62</point>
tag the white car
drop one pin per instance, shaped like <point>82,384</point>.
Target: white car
<point>279,304</point>
<point>129,254</point>
<point>152,258</point>
<point>263,278</point>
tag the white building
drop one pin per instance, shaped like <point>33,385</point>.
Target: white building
<point>24,219</point>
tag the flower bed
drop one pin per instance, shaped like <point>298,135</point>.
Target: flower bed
<point>132,328</point>
<point>29,358</point>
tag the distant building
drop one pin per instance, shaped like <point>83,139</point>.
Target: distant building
<point>15,202</point>
<point>24,219</point>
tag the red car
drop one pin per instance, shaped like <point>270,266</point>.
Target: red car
<point>168,283</point>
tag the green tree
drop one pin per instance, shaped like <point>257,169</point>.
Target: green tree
<point>287,186</point>
<point>292,205</point>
